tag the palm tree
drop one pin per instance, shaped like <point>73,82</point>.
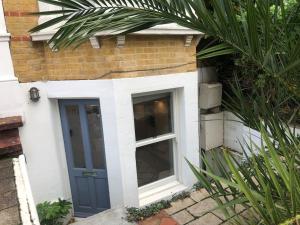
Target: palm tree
<point>246,27</point>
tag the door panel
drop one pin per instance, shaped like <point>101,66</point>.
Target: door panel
<point>84,145</point>
<point>75,134</point>
<point>102,199</point>
<point>83,191</point>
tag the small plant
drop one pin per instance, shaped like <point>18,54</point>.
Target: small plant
<point>52,213</point>
<point>198,186</point>
<point>180,196</point>
<point>138,214</point>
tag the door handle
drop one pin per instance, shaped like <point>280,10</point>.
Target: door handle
<point>89,174</point>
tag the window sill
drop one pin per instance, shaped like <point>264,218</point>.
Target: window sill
<point>163,192</point>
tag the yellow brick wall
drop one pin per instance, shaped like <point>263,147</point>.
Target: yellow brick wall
<point>141,55</point>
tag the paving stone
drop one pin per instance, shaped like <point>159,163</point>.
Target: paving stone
<point>219,213</point>
<point>179,205</point>
<point>202,207</point>
<point>8,199</point>
<point>116,216</point>
<point>168,221</point>
<point>230,222</point>
<point>10,216</point>
<point>183,217</point>
<point>237,220</point>
<point>208,219</point>
<point>250,214</point>
<point>7,185</point>
<point>199,195</point>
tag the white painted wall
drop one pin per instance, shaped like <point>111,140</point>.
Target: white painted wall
<point>10,104</point>
<point>42,138</point>
<point>236,134</point>
<point>39,138</point>
<point>188,146</point>
<point>10,99</point>
<point>6,66</point>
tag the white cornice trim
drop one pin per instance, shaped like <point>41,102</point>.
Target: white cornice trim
<point>4,37</point>
<point>5,78</point>
<point>169,29</point>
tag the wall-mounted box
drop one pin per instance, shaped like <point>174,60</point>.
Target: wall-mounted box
<point>207,74</point>
<point>210,95</point>
<point>211,130</point>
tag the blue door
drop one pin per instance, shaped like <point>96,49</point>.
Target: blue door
<point>84,145</point>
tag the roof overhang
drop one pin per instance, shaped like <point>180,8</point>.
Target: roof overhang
<point>166,29</point>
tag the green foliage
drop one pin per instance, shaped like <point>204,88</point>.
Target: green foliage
<point>180,196</point>
<point>292,221</point>
<point>51,213</point>
<point>262,36</point>
<point>198,186</point>
<point>138,214</point>
<point>268,186</point>
<point>248,28</point>
<point>257,104</point>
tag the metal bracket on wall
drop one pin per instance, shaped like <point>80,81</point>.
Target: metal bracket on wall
<point>121,41</point>
<point>51,45</point>
<point>188,40</point>
<point>95,42</point>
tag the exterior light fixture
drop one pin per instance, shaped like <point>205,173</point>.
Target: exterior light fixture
<point>34,94</point>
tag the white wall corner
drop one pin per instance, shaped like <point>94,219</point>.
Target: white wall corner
<point>21,194</point>
<point>121,41</point>
<point>6,65</point>
<point>95,42</point>
<point>4,37</point>
<point>188,40</point>
<point>2,19</point>
<point>27,186</point>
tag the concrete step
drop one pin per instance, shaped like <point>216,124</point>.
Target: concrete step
<point>9,123</point>
<point>115,216</point>
<point>10,144</point>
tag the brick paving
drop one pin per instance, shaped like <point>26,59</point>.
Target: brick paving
<point>194,210</point>
<point>9,205</point>
<point>161,218</point>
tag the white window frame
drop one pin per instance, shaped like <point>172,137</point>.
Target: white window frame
<point>173,135</point>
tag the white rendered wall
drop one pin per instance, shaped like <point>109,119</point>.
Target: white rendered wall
<point>237,135</point>
<point>6,66</point>
<point>188,147</point>
<point>42,138</point>
<point>10,102</point>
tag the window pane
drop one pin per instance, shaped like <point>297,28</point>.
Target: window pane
<point>152,116</point>
<point>96,136</point>
<point>75,135</point>
<point>154,162</point>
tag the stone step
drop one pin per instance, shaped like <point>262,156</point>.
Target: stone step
<point>10,144</point>
<point>9,123</point>
<point>114,216</point>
